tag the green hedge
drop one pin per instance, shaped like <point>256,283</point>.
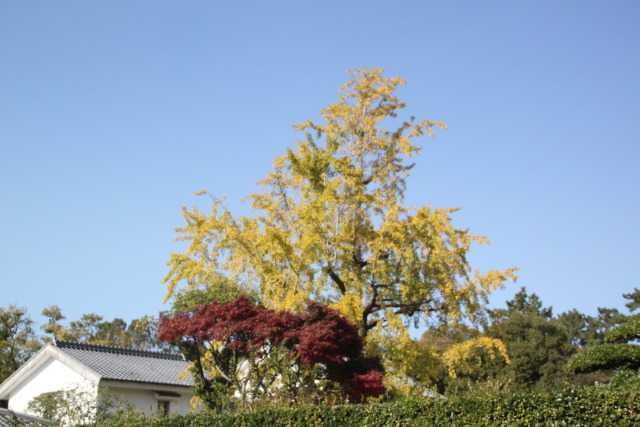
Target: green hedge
<point>588,406</point>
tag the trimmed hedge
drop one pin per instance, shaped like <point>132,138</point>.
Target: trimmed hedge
<point>605,357</point>
<point>587,406</point>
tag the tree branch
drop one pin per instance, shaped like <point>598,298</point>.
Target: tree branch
<point>359,261</point>
<point>337,280</point>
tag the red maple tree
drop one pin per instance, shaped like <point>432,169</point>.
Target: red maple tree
<point>256,352</point>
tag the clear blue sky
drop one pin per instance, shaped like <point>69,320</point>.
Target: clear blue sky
<point>113,113</point>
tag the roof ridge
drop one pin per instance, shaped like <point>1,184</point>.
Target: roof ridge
<point>21,418</point>
<point>117,350</point>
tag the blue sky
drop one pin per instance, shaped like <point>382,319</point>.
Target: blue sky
<point>113,113</point>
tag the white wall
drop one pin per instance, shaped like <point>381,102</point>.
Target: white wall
<point>51,376</point>
<point>143,397</point>
<point>45,373</point>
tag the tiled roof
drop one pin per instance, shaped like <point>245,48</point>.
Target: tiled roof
<point>14,419</point>
<point>127,364</point>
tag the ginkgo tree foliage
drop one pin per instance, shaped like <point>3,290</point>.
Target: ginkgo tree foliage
<point>329,225</point>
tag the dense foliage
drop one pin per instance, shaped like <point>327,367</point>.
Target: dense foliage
<point>538,345</point>
<point>243,351</point>
<point>17,339</point>
<point>615,353</point>
<point>589,406</point>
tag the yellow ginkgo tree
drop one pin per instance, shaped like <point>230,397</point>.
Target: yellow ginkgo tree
<point>329,225</point>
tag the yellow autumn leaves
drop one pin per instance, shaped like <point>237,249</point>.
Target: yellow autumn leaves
<point>330,226</point>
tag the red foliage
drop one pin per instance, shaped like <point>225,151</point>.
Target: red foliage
<point>361,386</point>
<point>326,337</point>
<point>320,335</point>
<point>239,324</point>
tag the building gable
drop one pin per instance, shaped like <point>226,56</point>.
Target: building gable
<point>145,379</point>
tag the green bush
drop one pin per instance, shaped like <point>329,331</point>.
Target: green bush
<point>586,406</point>
<point>77,405</point>
<point>606,357</point>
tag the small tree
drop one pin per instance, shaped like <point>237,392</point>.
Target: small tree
<point>91,328</point>
<point>18,341</point>
<point>537,344</point>
<point>616,353</point>
<point>252,353</point>
<point>453,356</point>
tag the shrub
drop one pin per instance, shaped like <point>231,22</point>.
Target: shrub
<point>76,405</point>
<point>615,354</point>
<point>585,406</point>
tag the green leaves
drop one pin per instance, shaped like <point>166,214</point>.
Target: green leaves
<point>594,406</point>
<point>616,354</point>
<point>17,339</point>
<point>628,331</point>
<point>605,357</point>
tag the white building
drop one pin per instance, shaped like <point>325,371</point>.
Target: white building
<point>150,381</point>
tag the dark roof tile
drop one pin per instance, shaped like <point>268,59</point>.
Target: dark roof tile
<point>12,419</point>
<point>127,364</point>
